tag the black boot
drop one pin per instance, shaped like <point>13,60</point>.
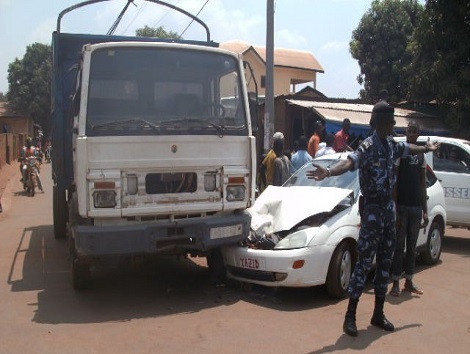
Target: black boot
<point>349,325</point>
<point>378,319</point>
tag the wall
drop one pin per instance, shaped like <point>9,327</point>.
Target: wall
<point>17,125</point>
<point>9,148</point>
<point>283,78</point>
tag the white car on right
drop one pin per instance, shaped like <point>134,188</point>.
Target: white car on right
<point>451,164</point>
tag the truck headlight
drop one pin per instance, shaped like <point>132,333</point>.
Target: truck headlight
<point>104,199</point>
<point>235,193</point>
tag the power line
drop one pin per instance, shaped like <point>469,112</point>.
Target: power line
<point>166,13</point>
<point>193,19</point>
<point>137,14</point>
<point>119,18</point>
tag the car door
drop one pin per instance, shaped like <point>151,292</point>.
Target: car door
<point>452,167</point>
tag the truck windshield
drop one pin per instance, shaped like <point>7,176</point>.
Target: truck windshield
<point>164,91</point>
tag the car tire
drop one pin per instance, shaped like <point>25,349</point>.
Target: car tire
<point>432,253</point>
<point>339,271</point>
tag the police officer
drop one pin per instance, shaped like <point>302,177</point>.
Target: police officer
<point>375,159</point>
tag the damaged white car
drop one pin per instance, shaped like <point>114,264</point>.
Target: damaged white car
<point>305,232</point>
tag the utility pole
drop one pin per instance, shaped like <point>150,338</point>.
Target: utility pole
<point>269,91</point>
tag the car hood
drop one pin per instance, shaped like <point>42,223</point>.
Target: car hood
<point>281,208</point>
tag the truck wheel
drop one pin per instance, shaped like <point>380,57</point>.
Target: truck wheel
<point>432,253</point>
<point>215,262</point>
<point>59,212</point>
<point>339,271</point>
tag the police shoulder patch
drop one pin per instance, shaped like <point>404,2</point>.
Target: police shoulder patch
<point>366,143</point>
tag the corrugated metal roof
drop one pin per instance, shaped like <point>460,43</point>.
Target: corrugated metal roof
<point>359,114</point>
<point>292,58</point>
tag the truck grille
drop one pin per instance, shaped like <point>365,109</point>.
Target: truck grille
<point>167,183</point>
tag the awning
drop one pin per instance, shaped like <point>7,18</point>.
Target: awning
<point>360,114</point>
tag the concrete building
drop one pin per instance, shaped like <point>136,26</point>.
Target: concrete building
<point>291,67</point>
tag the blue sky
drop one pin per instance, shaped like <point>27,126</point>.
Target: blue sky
<point>321,27</point>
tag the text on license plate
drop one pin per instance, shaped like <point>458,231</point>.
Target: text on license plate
<point>251,263</point>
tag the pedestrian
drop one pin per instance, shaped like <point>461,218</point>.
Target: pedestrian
<point>281,170</point>
<point>301,156</point>
<point>374,159</point>
<point>342,137</point>
<point>316,138</point>
<point>411,208</point>
<point>266,169</point>
<point>327,148</point>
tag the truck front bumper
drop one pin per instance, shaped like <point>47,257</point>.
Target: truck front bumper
<point>181,236</point>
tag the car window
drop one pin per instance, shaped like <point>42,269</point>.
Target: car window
<point>451,158</point>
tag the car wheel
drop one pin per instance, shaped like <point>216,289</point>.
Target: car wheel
<point>432,253</point>
<point>339,271</point>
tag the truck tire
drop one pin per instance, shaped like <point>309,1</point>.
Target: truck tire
<point>59,212</point>
<point>339,271</point>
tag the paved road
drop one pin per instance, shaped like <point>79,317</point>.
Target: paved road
<point>172,307</point>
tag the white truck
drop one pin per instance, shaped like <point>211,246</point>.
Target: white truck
<point>451,164</point>
<point>153,151</point>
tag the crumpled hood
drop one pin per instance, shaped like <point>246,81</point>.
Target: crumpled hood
<point>281,208</point>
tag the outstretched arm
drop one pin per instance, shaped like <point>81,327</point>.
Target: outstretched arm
<point>321,172</point>
<point>416,149</point>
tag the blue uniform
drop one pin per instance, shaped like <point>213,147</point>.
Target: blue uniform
<point>377,176</point>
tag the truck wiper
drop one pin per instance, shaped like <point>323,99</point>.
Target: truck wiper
<point>140,121</point>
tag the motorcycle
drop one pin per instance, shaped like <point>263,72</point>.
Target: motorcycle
<point>31,179</point>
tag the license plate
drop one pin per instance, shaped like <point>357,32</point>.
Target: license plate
<point>251,263</point>
<point>226,231</point>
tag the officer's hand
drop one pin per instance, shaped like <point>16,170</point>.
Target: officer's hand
<point>432,146</point>
<point>318,174</point>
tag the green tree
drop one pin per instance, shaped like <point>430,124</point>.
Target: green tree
<point>379,44</point>
<point>3,98</point>
<point>158,32</point>
<point>440,69</point>
<point>29,82</point>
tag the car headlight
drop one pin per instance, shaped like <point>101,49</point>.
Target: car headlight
<point>104,199</point>
<point>296,240</point>
<point>235,193</point>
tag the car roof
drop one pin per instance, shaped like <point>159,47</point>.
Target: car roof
<point>445,139</point>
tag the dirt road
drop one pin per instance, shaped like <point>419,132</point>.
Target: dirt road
<point>171,307</point>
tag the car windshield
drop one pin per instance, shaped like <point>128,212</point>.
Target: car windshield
<point>348,180</point>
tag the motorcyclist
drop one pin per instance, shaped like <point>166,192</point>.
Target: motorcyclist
<point>28,151</point>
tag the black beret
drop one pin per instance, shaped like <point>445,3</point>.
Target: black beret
<point>383,107</point>
<point>382,112</point>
